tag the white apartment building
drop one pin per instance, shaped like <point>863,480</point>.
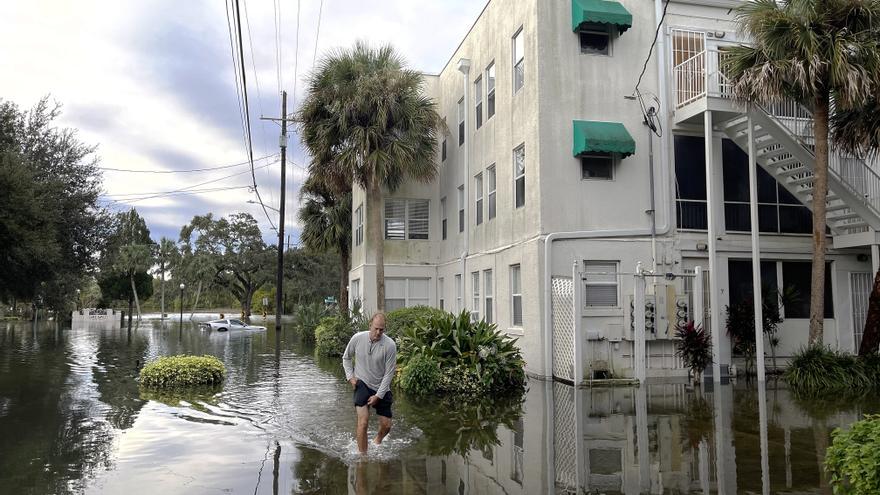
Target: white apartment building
<point>548,165</point>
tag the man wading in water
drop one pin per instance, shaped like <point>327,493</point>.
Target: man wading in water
<point>375,361</point>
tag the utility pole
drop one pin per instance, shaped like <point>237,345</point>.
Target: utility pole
<point>279,284</point>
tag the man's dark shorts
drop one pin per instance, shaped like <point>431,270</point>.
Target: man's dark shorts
<point>362,392</point>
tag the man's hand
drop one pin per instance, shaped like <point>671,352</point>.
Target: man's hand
<point>353,381</point>
<point>373,400</point>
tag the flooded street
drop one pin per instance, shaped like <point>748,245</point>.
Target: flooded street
<point>72,420</point>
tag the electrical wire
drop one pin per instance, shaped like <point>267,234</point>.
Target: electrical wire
<point>200,183</point>
<point>318,32</point>
<point>175,193</point>
<point>185,171</point>
<point>276,7</point>
<point>651,50</point>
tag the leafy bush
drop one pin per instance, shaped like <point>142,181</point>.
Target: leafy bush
<point>332,335</point>
<point>473,357</point>
<point>399,319</point>
<point>694,347</point>
<point>306,320</point>
<point>821,370</point>
<point>853,459</point>
<point>420,376</point>
<point>183,371</point>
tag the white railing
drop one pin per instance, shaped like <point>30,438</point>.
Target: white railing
<point>699,76</point>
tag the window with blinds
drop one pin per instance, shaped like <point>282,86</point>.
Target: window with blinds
<point>600,284</point>
<point>405,293</point>
<point>516,316</point>
<point>406,219</point>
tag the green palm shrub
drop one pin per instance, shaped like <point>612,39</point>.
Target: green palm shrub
<point>306,320</point>
<point>421,376</point>
<point>332,335</point>
<point>397,320</point>
<point>694,347</point>
<point>853,459</point>
<point>183,371</point>
<point>817,370</point>
<point>473,357</point>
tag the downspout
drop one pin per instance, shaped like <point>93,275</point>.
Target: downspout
<point>665,197</point>
<point>464,66</point>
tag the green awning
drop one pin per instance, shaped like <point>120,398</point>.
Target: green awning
<point>601,12</point>
<point>602,137</point>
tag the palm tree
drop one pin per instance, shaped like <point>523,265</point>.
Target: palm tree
<point>326,226</point>
<point>134,258</point>
<point>164,255</point>
<point>366,118</point>
<point>823,54</point>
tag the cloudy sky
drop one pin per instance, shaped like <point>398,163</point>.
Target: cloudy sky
<point>152,84</point>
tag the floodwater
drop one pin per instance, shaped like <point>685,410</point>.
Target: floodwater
<point>72,420</point>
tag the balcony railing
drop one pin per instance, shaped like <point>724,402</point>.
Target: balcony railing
<point>700,76</point>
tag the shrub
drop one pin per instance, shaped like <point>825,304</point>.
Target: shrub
<point>183,371</point>
<point>853,459</point>
<point>817,370</point>
<point>332,335</point>
<point>473,357</point>
<point>420,376</point>
<point>694,347</point>
<point>306,320</point>
<point>399,319</point>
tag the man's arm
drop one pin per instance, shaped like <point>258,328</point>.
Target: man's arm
<point>347,357</point>
<point>390,369</point>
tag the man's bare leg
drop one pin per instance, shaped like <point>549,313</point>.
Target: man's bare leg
<point>363,419</point>
<point>384,428</point>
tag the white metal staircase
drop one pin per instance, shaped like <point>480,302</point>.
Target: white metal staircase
<point>784,144</point>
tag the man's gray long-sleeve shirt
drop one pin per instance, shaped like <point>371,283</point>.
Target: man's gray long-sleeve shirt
<point>374,362</point>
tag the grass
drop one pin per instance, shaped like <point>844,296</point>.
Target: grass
<point>818,370</point>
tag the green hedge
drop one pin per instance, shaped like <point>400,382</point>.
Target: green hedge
<point>332,335</point>
<point>818,370</point>
<point>183,371</point>
<point>853,459</point>
<point>306,319</point>
<point>399,319</point>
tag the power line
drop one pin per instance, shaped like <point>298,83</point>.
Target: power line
<point>296,55</point>
<point>200,183</point>
<point>276,7</point>
<point>185,171</point>
<point>247,112</point>
<point>175,193</point>
<point>318,32</point>
<point>651,50</point>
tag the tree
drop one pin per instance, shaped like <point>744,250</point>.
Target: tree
<point>51,226</point>
<point>125,261</point>
<point>824,55</point>
<point>166,253</point>
<point>326,226</point>
<point>310,276</point>
<point>236,251</point>
<point>366,118</point>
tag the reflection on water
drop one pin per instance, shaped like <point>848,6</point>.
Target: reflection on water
<point>73,420</point>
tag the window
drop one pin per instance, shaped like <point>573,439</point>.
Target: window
<point>461,208</point>
<point>778,210</point>
<point>443,217</point>
<point>519,176</point>
<point>597,167</point>
<point>516,316</point>
<point>595,38</point>
<point>440,291</point>
<point>488,297</point>
<point>600,284</point>
<point>359,225</point>
<point>796,275</point>
<point>461,121</point>
<point>475,302</point>
<point>443,151</point>
<point>478,101</point>
<point>490,184</point>
<point>518,62</point>
<point>458,292</point>
<point>406,219</point>
<point>355,292</point>
<point>490,91</point>
<point>478,194</point>
<point>405,292</point>
<point>690,183</point>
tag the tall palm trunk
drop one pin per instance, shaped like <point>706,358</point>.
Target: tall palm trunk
<point>871,336</point>
<point>196,303</point>
<point>136,301</point>
<point>162,292</point>
<point>130,303</point>
<point>820,192</point>
<point>344,261</point>
<point>377,239</point>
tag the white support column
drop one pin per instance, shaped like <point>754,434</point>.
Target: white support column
<point>756,255</point>
<point>699,307</point>
<point>639,367</point>
<point>875,258</point>
<point>577,310</point>
<point>642,440</point>
<point>714,293</point>
<point>580,416</point>
<point>765,454</point>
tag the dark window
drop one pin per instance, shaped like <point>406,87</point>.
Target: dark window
<point>596,166</point>
<point>478,98</point>
<point>690,182</point>
<point>595,39</point>
<point>443,151</point>
<point>443,217</point>
<point>519,176</point>
<point>461,208</point>
<point>461,121</point>
<point>490,91</point>
<point>739,276</point>
<point>796,275</point>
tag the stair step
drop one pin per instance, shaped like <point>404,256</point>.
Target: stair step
<point>770,154</point>
<point>845,216</point>
<point>801,181</point>
<point>735,124</point>
<point>783,162</point>
<point>853,225</point>
<point>836,207</point>
<point>830,197</point>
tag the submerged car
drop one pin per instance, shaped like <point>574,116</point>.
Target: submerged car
<point>230,324</point>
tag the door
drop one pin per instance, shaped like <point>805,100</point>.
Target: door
<point>860,289</point>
